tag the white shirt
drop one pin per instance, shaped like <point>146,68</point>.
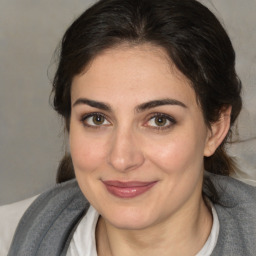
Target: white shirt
<point>83,241</point>
<point>86,232</point>
<point>10,216</point>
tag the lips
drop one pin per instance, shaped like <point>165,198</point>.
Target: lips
<point>128,189</point>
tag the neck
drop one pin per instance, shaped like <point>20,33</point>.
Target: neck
<point>183,234</point>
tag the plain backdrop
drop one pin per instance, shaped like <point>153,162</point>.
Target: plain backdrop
<point>31,136</point>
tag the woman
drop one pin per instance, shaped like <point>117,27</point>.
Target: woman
<point>149,94</point>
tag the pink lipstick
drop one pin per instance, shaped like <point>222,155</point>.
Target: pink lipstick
<point>128,189</point>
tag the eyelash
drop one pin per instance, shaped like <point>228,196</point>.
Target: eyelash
<point>161,115</point>
<point>84,120</point>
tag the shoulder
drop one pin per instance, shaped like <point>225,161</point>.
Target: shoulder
<point>51,218</point>
<point>236,211</point>
<point>10,216</point>
<point>233,191</point>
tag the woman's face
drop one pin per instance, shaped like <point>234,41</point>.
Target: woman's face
<point>137,137</point>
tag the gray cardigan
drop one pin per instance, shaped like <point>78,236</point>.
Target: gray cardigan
<point>47,226</point>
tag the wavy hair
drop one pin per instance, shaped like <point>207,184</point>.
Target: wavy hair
<point>191,35</point>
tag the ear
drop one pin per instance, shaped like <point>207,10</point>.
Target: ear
<point>218,132</point>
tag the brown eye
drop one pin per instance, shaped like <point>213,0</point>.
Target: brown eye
<point>160,121</point>
<point>98,119</point>
<point>94,120</point>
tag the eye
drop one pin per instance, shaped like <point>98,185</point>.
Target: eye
<point>95,120</point>
<point>161,121</point>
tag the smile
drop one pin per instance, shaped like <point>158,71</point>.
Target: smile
<point>128,189</point>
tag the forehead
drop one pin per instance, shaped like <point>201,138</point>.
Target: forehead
<point>132,73</point>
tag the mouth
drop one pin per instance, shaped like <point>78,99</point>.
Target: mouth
<point>128,189</point>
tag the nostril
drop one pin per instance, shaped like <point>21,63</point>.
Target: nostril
<point>125,158</point>
<point>125,153</point>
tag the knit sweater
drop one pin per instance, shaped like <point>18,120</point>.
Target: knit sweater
<point>48,225</point>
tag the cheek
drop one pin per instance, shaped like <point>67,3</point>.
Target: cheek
<point>178,152</point>
<point>87,152</point>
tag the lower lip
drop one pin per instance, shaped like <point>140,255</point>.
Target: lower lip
<point>128,192</point>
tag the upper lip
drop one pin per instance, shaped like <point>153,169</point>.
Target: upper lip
<point>122,184</point>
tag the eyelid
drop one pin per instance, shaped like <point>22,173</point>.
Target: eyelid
<point>157,114</point>
<point>91,114</point>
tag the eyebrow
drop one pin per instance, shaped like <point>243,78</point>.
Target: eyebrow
<point>157,103</point>
<point>93,103</point>
<point>140,108</point>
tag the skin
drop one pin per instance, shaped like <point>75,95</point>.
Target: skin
<point>130,144</point>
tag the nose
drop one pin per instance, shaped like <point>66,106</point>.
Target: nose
<point>125,153</point>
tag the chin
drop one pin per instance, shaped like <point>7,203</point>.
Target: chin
<point>129,218</point>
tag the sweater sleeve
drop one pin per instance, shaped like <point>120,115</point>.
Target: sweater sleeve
<point>10,216</point>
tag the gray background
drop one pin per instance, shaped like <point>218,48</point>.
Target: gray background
<point>31,137</point>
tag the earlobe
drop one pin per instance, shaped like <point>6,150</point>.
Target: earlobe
<point>218,132</point>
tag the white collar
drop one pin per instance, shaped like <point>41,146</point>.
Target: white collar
<point>83,241</point>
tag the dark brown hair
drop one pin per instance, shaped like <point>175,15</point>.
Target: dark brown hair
<point>193,38</point>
